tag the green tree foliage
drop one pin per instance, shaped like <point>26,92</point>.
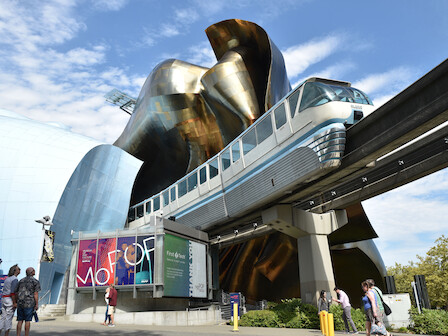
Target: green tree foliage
<point>434,266</point>
<point>435,269</point>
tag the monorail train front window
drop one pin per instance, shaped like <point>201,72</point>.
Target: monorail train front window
<point>315,94</point>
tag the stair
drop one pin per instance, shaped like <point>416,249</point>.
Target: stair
<point>52,310</point>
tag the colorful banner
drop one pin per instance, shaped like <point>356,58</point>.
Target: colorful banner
<point>125,268</point>
<point>144,269</point>
<point>105,261</point>
<point>86,262</point>
<point>47,251</point>
<point>184,268</point>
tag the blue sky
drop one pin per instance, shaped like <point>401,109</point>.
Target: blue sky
<point>59,57</point>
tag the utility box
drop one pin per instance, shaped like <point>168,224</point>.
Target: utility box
<point>400,305</point>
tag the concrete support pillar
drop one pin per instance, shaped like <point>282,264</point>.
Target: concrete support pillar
<point>311,230</point>
<point>315,267</point>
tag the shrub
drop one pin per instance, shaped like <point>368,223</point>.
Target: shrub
<point>260,318</point>
<point>430,321</point>
<point>358,318</point>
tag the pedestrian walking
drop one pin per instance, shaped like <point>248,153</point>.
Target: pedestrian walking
<point>344,301</point>
<point>112,304</point>
<point>26,300</point>
<point>9,286</point>
<point>107,316</point>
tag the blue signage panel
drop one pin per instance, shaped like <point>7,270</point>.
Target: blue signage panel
<point>235,298</point>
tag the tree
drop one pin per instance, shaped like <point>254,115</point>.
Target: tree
<point>434,266</point>
<point>435,269</point>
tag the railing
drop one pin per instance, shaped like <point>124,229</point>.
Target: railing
<point>43,296</point>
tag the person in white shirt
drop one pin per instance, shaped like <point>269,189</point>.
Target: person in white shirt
<point>8,309</point>
<point>344,301</point>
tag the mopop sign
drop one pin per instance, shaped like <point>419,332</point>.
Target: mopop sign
<point>122,260</point>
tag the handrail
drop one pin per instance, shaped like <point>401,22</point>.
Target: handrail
<point>46,293</point>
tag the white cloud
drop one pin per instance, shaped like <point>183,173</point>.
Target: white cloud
<point>298,58</point>
<point>201,54</point>
<point>112,5</point>
<point>39,80</point>
<point>186,16</point>
<point>335,71</point>
<point>389,82</point>
<point>167,30</point>
<point>408,219</point>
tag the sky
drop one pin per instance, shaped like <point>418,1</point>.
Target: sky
<point>58,58</point>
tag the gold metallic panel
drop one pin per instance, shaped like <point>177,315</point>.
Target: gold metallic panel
<point>186,113</point>
<point>264,61</point>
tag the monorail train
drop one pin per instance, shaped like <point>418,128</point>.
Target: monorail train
<point>298,140</point>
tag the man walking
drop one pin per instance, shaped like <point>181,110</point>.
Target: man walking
<point>26,300</point>
<point>346,310</point>
<point>8,308</point>
<point>113,296</point>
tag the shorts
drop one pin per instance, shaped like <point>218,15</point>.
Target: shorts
<point>25,314</point>
<point>111,310</point>
<point>369,315</point>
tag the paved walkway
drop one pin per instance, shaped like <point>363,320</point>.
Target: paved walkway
<point>60,326</point>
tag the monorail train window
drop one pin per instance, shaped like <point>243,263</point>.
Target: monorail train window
<point>360,97</point>
<point>173,194</point>
<point>140,211</point>
<point>192,181</point>
<point>280,116</point>
<point>156,201</point>
<point>166,198</point>
<point>264,128</point>
<point>148,207</point>
<point>203,175</point>
<point>182,188</point>
<point>236,151</point>
<point>213,168</point>
<point>225,159</point>
<point>131,215</point>
<point>293,99</point>
<point>249,141</point>
<point>315,94</point>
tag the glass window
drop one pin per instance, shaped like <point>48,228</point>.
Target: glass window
<point>156,201</point>
<point>140,211</point>
<point>148,207</point>
<point>293,99</point>
<point>249,141</point>
<point>166,198</point>
<point>280,116</point>
<point>131,215</point>
<point>315,94</point>
<point>173,194</point>
<point>182,188</point>
<point>192,181</point>
<point>360,97</point>
<point>264,129</point>
<point>225,159</point>
<point>236,151</point>
<point>203,175</point>
<point>213,168</point>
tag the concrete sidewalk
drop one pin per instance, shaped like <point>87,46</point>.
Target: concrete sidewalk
<point>62,326</point>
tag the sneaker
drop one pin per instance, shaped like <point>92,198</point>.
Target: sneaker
<point>111,325</point>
